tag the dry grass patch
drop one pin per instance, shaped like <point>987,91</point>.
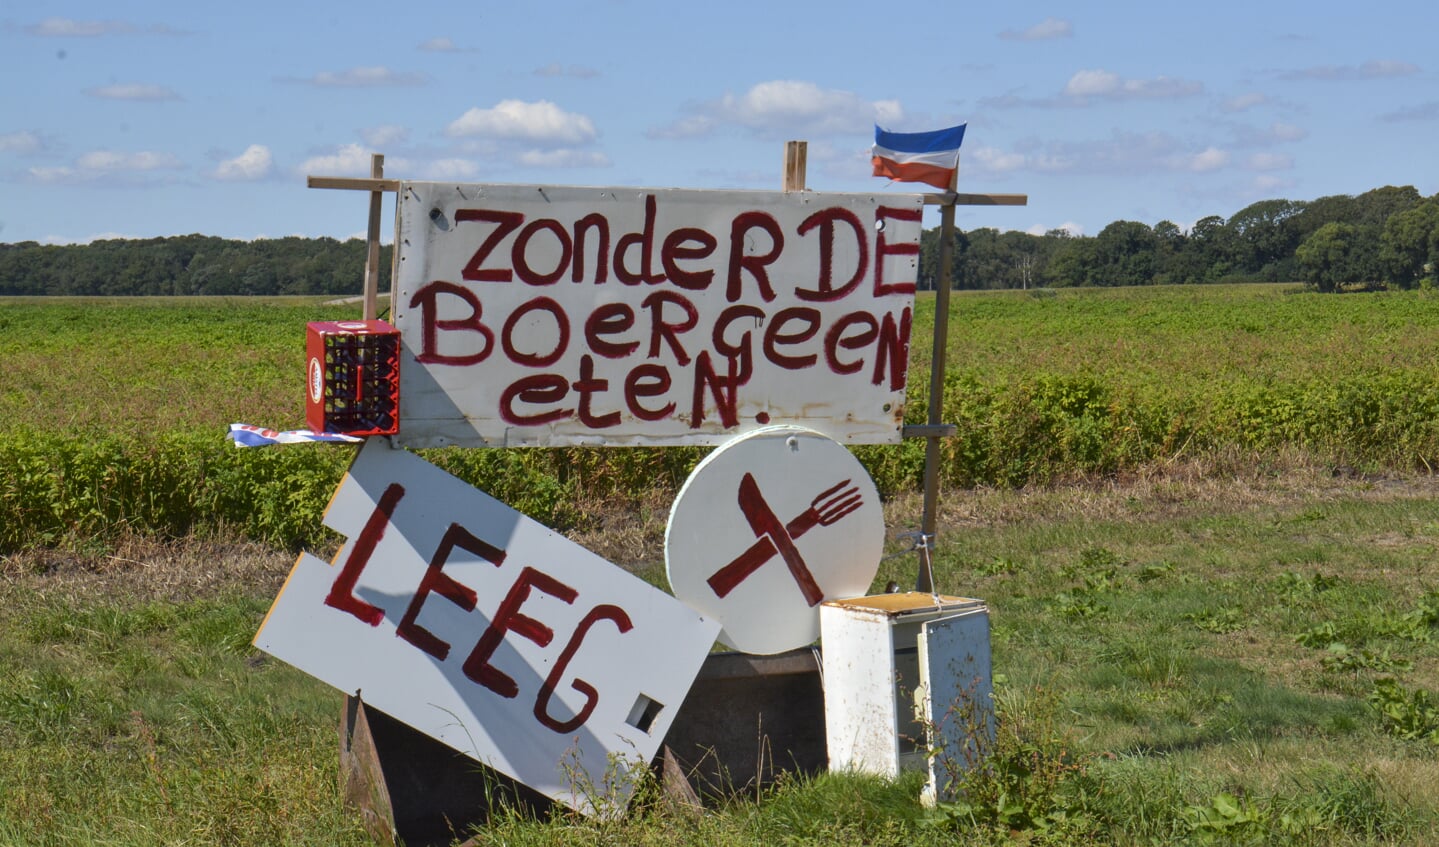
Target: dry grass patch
<point>145,569</point>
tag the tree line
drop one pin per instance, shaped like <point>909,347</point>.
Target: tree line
<point>1387,237</point>
<point>188,265</point>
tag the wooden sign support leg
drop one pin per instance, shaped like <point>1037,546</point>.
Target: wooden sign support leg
<point>938,359</point>
<point>372,241</point>
<point>795,155</point>
<point>934,430</point>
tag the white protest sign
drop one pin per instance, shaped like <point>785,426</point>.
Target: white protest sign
<point>555,315</point>
<point>766,528</point>
<point>479,627</point>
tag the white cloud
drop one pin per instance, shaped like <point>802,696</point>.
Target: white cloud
<point>133,91</point>
<point>253,164</point>
<point>1109,85</point>
<point>540,122</point>
<point>1268,184</point>
<point>439,45</point>
<point>450,169</point>
<point>1208,159</point>
<point>1092,82</point>
<point>1276,133</point>
<point>1127,153</point>
<point>1423,112</point>
<point>992,160</point>
<point>69,28</point>
<point>59,173</point>
<point>144,160</point>
<point>348,160</point>
<point>374,76</point>
<point>694,126</point>
<point>1287,132</point>
<point>55,27</point>
<point>1374,69</point>
<point>22,142</point>
<point>1269,162</point>
<point>555,69</point>
<point>385,135</point>
<point>1012,100</point>
<point>1244,102</point>
<point>109,167</point>
<point>825,159</point>
<point>796,106</point>
<point>1029,156</point>
<point>564,158</point>
<point>1044,30</point>
<point>1387,67</point>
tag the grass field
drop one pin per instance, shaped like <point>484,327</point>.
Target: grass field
<point>103,366</point>
<point>1216,628</point>
<point>112,412</point>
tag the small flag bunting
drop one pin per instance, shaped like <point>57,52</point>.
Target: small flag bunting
<point>245,435</point>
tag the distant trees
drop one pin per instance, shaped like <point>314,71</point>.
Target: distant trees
<point>1409,246</point>
<point>1387,236</point>
<point>988,258</point>
<point>1265,236</point>
<point>1353,253</point>
<point>1327,258</point>
<point>188,264</point>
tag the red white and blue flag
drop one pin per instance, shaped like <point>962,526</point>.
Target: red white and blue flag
<point>928,157</point>
<point>245,435</point>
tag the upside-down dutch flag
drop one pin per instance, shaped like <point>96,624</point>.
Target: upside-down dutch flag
<point>928,157</point>
<point>245,435</point>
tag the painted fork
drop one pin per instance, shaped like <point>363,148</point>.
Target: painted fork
<point>827,508</point>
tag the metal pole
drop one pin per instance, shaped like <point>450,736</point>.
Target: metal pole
<point>938,357</point>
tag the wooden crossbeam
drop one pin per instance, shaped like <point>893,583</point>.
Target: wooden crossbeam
<point>949,198</point>
<point>353,183</point>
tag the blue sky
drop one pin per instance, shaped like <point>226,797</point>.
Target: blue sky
<point>159,118</point>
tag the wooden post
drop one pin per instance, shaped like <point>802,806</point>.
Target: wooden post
<point>937,362</point>
<point>795,153</point>
<point>372,241</point>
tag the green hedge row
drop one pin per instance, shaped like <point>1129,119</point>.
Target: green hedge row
<point>1033,429</point>
<point>63,491</point>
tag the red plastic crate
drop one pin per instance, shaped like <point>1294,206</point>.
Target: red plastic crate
<point>353,377</point>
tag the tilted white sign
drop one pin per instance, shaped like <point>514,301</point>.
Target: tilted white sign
<point>554,315</point>
<point>479,627</point>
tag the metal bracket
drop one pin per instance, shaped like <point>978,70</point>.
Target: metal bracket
<point>928,431</point>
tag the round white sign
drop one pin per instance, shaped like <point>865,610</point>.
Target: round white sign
<point>766,528</point>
